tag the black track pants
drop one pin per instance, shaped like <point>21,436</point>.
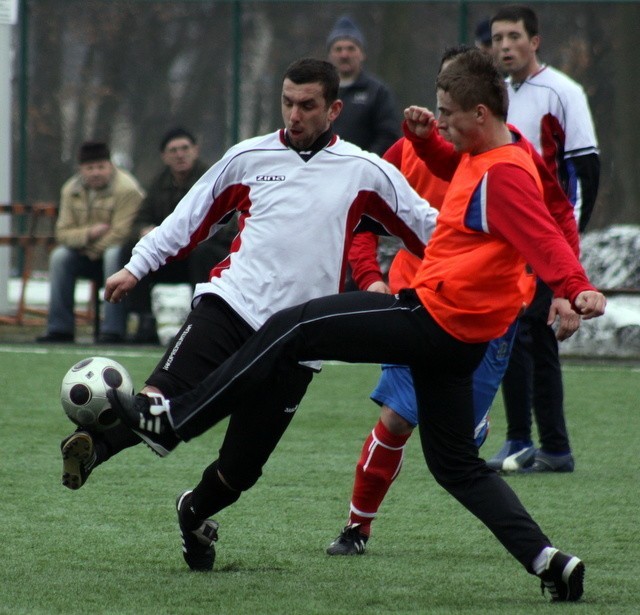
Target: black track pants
<point>365,328</point>
<point>533,380</point>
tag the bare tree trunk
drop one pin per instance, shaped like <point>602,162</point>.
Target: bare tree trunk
<point>45,169</point>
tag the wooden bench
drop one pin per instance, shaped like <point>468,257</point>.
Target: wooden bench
<point>31,229</point>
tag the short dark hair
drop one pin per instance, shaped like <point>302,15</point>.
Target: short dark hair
<point>451,52</point>
<point>517,12</point>
<point>176,133</point>
<point>310,70</point>
<point>473,79</point>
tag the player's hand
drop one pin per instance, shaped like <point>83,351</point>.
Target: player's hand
<point>590,304</point>
<point>118,285</point>
<point>420,121</point>
<point>379,287</point>
<point>568,320</point>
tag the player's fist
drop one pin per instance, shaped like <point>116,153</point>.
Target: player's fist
<point>419,120</point>
<point>590,304</point>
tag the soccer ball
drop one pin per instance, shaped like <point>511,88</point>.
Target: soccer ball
<point>83,392</point>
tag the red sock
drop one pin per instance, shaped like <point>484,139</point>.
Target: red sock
<point>378,466</point>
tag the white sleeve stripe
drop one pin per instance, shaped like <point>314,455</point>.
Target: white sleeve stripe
<point>483,203</point>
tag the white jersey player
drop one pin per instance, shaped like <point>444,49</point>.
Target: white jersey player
<point>299,192</point>
<point>552,112</point>
<point>549,108</point>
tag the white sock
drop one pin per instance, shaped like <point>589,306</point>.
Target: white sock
<point>541,562</point>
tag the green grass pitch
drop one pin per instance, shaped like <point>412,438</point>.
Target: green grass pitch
<point>113,546</point>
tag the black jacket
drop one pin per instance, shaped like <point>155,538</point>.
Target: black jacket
<point>369,117</point>
<point>163,196</point>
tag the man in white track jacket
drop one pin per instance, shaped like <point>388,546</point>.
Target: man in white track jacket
<point>300,193</point>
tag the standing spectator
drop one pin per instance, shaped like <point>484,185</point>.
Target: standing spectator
<point>97,207</point>
<point>180,154</point>
<point>369,116</point>
<point>552,111</point>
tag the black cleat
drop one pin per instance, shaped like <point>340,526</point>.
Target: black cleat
<point>548,462</point>
<point>351,541</point>
<point>147,416</point>
<point>563,577</point>
<point>56,338</point>
<point>78,459</point>
<point>197,543</point>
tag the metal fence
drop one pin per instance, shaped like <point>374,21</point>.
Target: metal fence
<point>126,71</point>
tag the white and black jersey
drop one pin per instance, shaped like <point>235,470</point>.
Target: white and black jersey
<point>296,216</point>
<point>551,110</point>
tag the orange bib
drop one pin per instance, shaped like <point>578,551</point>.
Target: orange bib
<point>474,284</point>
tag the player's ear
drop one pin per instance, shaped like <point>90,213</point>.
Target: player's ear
<point>483,114</point>
<point>535,42</point>
<point>334,109</point>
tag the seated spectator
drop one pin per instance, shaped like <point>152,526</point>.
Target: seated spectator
<point>97,207</point>
<point>179,152</point>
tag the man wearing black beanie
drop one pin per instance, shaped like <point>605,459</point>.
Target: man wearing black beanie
<point>97,206</point>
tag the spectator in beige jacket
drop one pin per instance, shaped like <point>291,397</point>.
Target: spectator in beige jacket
<point>97,208</point>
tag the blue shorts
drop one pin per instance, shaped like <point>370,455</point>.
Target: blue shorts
<point>395,387</point>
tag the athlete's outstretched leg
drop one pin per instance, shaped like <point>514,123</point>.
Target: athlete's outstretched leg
<point>354,327</point>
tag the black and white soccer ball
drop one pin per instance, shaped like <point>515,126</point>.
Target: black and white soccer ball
<point>83,392</point>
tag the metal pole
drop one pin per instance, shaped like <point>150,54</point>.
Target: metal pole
<point>236,68</point>
<point>462,22</point>
<point>8,17</point>
<point>23,92</point>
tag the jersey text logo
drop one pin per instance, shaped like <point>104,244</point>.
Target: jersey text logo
<point>270,178</point>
